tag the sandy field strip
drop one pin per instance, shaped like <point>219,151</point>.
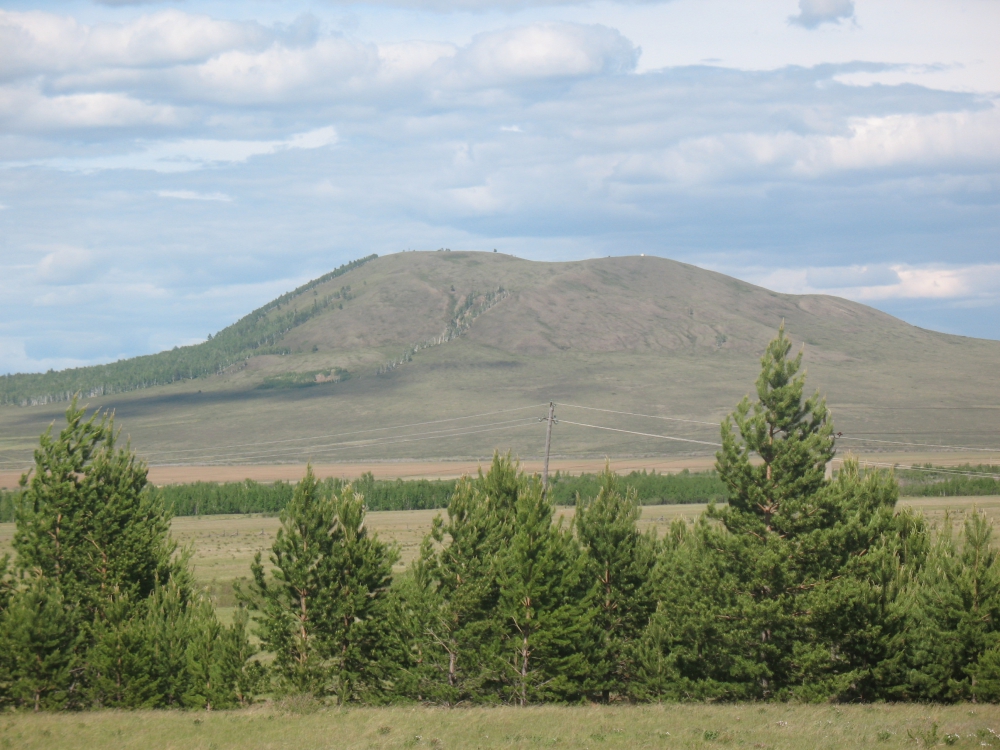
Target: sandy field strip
<point>161,475</point>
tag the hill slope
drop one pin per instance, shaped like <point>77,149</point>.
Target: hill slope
<point>417,337</point>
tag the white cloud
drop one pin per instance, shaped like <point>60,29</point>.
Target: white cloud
<point>15,358</point>
<point>545,50</point>
<point>813,13</point>
<point>406,60</point>
<point>65,265</point>
<point>966,140</point>
<point>37,42</point>
<point>188,155</point>
<point>190,195</point>
<point>27,109</point>
<point>332,65</point>
<point>478,199</point>
<point>874,283</point>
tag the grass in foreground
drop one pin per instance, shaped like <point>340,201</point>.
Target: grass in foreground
<point>303,724</point>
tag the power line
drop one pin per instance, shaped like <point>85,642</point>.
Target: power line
<point>389,441</point>
<point>297,450</point>
<point>354,432</point>
<point>641,434</point>
<point>922,445</point>
<point>634,414</point>
<point>931,470</point>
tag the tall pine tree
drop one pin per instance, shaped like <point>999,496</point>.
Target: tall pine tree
<point>323,609</point>
<point>550,643</point>
<point>792,590</point>
<point>619,565</point>
<point>456,589</point>
<point>101,589</point>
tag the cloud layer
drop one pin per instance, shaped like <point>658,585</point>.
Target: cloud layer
<point>164,173</point>
<point>814,13</point>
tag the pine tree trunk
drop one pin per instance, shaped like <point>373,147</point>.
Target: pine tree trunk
<point>524,671</point>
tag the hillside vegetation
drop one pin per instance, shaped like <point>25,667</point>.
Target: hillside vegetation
<point>423,336</point>
<point>258,333</point>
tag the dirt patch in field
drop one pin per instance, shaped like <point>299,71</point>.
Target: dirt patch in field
<point>161,475</point>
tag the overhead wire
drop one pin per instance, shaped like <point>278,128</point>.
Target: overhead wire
<point>716,424</point>
<point>922,445</point>
<point>368,441</point>
<point>642,434</point>
<point>928,469</point>
<point>385,441</point>
<point>354,432</point>
<point>634,414</point>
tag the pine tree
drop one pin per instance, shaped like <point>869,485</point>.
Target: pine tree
<point>167,629</point>
<point>356,608</point>
<point>771,504</point>
<point>793,589</point>
<point>120,670</point>
<point>323,611</point>
<point>39,636</point>
<point>84,521</point>
<point>619,564</point>
<point>216,659</point>
<point>550,640</point>
<point>290,602</point>
<point>93,545</point>
<point>955,620</point>
<point>792,437</point>
<point>455,589</point>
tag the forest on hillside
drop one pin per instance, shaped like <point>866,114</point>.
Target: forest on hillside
<point>255,334</point>
<point>799,587</point>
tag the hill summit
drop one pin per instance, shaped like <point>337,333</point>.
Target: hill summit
<point>419,336</point>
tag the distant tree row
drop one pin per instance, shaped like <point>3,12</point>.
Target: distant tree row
<point>260,332</point>
<point>930,481</point>
<point>651,488</point>
<point>799,588</point>
<point>209,498</point>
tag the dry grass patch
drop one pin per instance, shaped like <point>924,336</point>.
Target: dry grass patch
<point>304,724</point>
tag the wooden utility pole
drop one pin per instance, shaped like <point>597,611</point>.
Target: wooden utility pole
<point>548,445</point>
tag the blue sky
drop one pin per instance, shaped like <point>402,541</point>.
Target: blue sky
<point>167,167</point>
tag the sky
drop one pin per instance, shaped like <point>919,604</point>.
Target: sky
<point>166,167</point>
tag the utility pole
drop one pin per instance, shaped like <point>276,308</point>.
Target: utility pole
<point>548,445</point>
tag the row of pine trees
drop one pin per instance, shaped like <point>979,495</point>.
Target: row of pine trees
<point>800,588</point>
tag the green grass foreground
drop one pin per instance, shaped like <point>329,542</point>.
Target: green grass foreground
<point>305,725</point>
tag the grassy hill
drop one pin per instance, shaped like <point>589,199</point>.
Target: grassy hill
<point>420,337</point>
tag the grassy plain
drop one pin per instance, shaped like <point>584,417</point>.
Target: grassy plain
<point>304,725</point>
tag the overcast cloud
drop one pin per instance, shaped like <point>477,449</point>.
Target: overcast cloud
<point>164,169</point>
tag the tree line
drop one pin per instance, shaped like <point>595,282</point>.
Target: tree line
<point>248,496</point>
<point>800,587</point>
<point>651,488</point>
<point>260,332</point>
<point>931,481</point>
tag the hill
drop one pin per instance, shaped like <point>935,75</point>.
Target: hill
<point>418,337</point>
